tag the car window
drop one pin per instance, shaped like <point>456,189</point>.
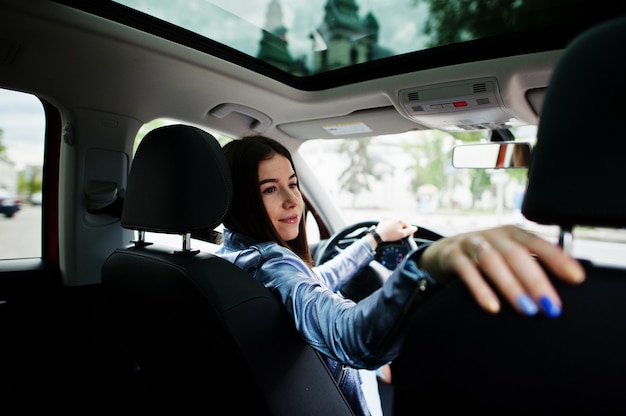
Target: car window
<point>22,129</point>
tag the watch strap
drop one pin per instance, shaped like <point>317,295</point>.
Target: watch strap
<point>372,231</point>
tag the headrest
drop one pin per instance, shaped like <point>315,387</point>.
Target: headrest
<point>179,182</point>
<point>576,172</point>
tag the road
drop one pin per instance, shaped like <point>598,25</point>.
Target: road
<point>20,236</point>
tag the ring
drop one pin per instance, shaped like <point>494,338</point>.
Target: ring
<point>477,243</point>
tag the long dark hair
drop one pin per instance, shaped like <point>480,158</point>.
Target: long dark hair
<point>247,213</point>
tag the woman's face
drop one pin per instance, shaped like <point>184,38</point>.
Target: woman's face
<point>281,197</point>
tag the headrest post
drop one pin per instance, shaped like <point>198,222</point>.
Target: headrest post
<point>187,246</point>
<point>566,239</point>
<point>187,242</point>
<point>141,239</point>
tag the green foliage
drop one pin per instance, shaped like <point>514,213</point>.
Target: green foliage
<point>470,136</point>
<point>430,155</point>
<point>519,175</point>
<point>29,181</point>
<point>464,20</point>
<point>355,178</point>
<point>481,181</point>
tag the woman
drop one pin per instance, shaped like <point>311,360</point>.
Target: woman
<point>265,234</point>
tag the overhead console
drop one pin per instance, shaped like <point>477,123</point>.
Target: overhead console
<point>458,106</point>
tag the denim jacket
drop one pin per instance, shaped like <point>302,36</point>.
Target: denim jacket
<point>367,334</point>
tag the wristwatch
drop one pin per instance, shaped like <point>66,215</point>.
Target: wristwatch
<point>372,231</point>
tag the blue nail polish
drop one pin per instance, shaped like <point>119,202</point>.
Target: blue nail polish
<point>550,308</point>
<point>527,305</point>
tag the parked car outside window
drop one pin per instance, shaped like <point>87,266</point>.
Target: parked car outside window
<point>9,203</point>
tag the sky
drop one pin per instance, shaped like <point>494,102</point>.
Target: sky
<point>22,122</point>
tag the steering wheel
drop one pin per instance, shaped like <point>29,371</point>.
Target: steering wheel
<point>372,277</point>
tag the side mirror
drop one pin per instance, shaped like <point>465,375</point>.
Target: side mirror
<point>492,155</point>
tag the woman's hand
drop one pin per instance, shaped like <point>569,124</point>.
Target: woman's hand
<point>506,257</point>
<point>392,229</point>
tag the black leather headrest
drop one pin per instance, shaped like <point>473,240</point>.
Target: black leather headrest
<point>179,182</point>
<point>577,170</point>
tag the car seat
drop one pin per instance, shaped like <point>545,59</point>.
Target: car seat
<point>460,359</point>
<point>202,334</point>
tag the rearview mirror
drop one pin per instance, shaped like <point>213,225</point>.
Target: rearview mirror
<point>492,155</point>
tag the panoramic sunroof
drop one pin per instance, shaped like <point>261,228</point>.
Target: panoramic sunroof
<point>308,37</point>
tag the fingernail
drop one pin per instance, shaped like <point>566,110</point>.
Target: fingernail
<point>527,305</point>
<point>550,308</point>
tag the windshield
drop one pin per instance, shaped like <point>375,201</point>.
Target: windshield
<point>411,175</point>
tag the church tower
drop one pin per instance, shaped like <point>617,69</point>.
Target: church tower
<point>273,45</point>
<point>343,38</point>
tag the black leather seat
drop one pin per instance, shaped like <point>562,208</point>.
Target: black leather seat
<point>204,335</point>
<point>458,359</point>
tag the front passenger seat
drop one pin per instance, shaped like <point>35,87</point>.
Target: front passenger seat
<point>509,364</point>
<point>203,333</point>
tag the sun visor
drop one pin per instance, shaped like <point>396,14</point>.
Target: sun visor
<point>361,123</point>
<point>458,106</point>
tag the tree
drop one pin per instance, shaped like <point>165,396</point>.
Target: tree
<point>355,178</point>
<point>463,20</point>
<point>469,136</point>
<point>30,180</point>
<point>430,155</point>
<point>481,182</point>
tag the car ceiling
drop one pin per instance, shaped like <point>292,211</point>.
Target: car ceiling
<point>160,78</point>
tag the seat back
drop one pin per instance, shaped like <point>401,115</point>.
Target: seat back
<point>512,364</point>
<point>576,166</point>
<point>201,332</point>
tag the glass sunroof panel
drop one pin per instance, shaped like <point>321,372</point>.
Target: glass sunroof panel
<point>307,37</point>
